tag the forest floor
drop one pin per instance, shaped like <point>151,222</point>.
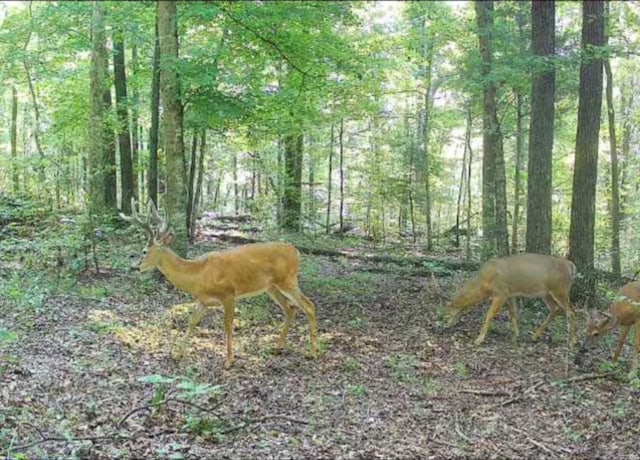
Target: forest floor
<point>86,372</point>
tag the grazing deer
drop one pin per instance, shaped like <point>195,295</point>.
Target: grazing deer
<point>522,275</point>
<point>623,312</point>
<point>223,277</point>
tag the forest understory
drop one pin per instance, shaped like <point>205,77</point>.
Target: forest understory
<point>86,370</point>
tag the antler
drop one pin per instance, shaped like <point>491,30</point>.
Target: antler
<point>144,222</point>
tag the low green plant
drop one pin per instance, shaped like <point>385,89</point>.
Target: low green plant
<point>352,365</point>
<point>358,391</point>
<point>402,367</point>
<point>461,369</point>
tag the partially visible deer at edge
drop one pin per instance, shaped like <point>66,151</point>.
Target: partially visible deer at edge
<point>521,275</point>
<point>623,312</point>
<point>223,277</point>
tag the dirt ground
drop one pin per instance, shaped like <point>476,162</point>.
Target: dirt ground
<point>391,380</point>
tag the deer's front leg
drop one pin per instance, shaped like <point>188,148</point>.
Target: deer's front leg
<point>496,305</point>
<point>195,319</point>
<point>229,310</point>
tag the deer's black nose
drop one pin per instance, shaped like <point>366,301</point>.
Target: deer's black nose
<point>134,263</point>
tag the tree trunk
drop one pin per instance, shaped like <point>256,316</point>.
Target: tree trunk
<point>191,182</point>
<point>613,151</point>
<point>329,181</point>
<point>468,142</point>
<point>152,182</point>
<point>494,202</point>
<point>196,201</point>
<point>96,124</point>
<point>236,190</point>
<point>583,209</point>
<point>539,171</point>
<point>293,145</point>
<point>341,161</point>
<point>109,160</point>
<point>122,113</point>
<point>626,99</point>
<point>517,179</point>
<point>135,139</point>
<point>461,190</point>
<point>14,140</point>
<point>176,194</point>
<point>423,166</point>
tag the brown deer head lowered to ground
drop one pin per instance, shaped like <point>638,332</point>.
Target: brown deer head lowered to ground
<point>223,277</point>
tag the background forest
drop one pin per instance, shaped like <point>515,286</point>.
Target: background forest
<point>395,144</point>
<point>319,117</point>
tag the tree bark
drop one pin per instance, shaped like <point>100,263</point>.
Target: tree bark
<point>196,200</point>
<point>613,151</point>
<point>583,209</point>
<point>109,160</point>
<point>122,114</point>
<point>494,202</point>
<point>15,175</point>
<point>293,147</point>
<point>152,182</point>
<point>517,175</point>
<point>135,138</point>
<point>176,194</point>
<point>468,142</point>
<point>191,182</point>
<point>329,181</point>
<point>341,161</point>
<point>539,171</point>
<point>95,162</point>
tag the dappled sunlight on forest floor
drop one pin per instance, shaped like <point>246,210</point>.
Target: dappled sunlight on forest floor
<point>89,373</point>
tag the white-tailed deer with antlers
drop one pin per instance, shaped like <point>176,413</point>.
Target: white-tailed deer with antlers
<point>623,312</point>
<point>223,277</point>
<point>522,275</point>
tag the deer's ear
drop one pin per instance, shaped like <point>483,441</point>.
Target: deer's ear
<point>167,239</point>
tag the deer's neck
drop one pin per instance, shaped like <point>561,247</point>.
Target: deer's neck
<point>182,273</point>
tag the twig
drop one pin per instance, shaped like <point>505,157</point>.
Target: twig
<point>135,410</point>
<point>594,376</point>
<point>521,395</point>
<point>210,410</point>
<point>445,443</point>
<point>458,430</point>
<point>534,442</point>
<point>60,439</point>
<point>485,392</point>
<point>247,422</point>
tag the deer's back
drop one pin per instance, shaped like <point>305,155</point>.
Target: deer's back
<point>527,275</point>
<point>625,311</point>
<point>252,268</point>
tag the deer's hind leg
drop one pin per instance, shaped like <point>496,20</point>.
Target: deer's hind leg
<point>292,292</point>
<point>553,312</point>
<point>289,311</point>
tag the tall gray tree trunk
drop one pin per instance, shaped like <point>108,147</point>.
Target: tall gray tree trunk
<point>292,199</point>
<point>15,175</point>
<point>122,114</point>
<point>613,151</point>
<point>152,182</point>
<point>96,195</point>
<point>494,202</point>
<point>539,171</point>
<point>583,202</point>
<point>176,194</point>
<point>327,227</point>
<point>135,126</point>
